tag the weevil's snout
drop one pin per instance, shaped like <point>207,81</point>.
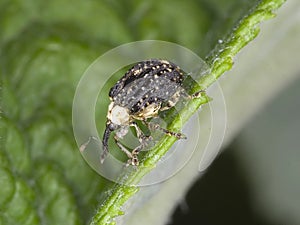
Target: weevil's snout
<point>109,128</point>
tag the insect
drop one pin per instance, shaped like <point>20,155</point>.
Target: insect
<point>146,89</point>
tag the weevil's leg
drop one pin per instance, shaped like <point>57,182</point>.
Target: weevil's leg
<point>197,94</point>
<point>143,139</point>
<point>192,96</point>
<point>139,132</point>
<point>122,147</point>
<point>155,126</point>
<point>141,136</point>
<point>85,144</point>
<point>119,135</point>
<point>134,159</point>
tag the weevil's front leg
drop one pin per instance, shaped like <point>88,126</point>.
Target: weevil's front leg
<point>143,139</point>
<point>134,159</point>
<point>133,156</point>
<point>122,147</point>
<point>119,135</point>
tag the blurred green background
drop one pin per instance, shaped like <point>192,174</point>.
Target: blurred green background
<point>46,47</point>
<point>256,180</point>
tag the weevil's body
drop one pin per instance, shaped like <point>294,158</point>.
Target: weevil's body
<point>147,88</point>
<point>153,82</point>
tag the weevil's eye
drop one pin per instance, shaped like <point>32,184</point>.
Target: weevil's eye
<point>119,115</point>
<point>112,126</point>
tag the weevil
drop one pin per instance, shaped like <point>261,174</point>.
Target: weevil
<point>149,87</point>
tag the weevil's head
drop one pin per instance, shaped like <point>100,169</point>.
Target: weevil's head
<point>118,115</point>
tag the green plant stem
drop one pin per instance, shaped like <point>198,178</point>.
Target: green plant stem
<point>245,31</point>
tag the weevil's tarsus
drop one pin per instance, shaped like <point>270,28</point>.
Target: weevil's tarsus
<point>198,94</point>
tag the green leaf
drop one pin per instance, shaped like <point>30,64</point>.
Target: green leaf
<point>36,123</point>
<point>45,48</point>
<point>220,62</point>
<point>92,19</point>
